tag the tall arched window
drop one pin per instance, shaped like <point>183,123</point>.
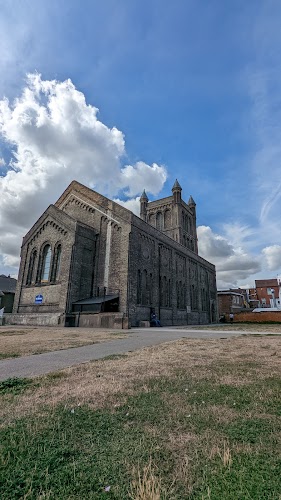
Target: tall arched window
<point>31,267</point>
<point>46,263</point>
<point>144,288</point>
<point>167,219</point>
<point>56,263</point>
<point>151,289</point>
<point>139,287</point>
<point>159,221</point>
<point>151,219</point>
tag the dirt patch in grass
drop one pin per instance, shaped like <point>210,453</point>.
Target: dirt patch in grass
<point>26,341</point>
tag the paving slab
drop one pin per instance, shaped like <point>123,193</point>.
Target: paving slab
<point>40,364</point>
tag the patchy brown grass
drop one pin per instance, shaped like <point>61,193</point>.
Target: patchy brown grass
<point>146,485</point>
<point>23,341</point>
<point>107,383</point>
<point>194,419</point>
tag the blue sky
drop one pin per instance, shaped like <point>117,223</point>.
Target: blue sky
<point>194,87</point>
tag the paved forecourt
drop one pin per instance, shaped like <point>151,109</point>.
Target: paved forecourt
<point>40,364</point>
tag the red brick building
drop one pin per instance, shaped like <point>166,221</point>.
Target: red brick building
<point>267,292</point>
<point>230,301</point>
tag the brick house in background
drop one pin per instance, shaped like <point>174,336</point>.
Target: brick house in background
<point>268,292</point>
<point>88,261</point>
<point>230,301</point>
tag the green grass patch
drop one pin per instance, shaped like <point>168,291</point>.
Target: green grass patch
<point>205,440</point>
<point>6,355</point>
<point>15,385</point>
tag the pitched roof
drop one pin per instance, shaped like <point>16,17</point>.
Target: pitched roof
<point>7,284</point>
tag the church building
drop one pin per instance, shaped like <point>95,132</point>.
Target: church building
<point>88,261</point>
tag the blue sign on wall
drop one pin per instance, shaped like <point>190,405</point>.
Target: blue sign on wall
<point>39,299</point>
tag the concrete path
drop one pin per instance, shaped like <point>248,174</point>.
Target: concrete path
<point>39,364</point>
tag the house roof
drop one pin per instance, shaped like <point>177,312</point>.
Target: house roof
<point>266,283</point>
<point>7,284</point>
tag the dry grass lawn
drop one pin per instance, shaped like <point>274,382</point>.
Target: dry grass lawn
<point>107,383</point>
<point>23,341</point>
<point>194,419</point>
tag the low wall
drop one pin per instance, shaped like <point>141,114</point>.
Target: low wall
<point>103,320</point>
<point>48,319</point>
<point>257,317</point>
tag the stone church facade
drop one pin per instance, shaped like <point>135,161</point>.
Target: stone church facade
<point>88,261</point>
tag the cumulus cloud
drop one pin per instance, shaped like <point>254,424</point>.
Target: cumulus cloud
<point>55,137</point>
<point>132,204</point>
<point>143,175</point>
<point>211,244</point>
<point>272,256</point>
<point>232,264</point>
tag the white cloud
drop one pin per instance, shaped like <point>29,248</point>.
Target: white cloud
<point>56,137</point>
<point>232,264</point>
<point>272,256</point>
<point>142,176</point>
<point>212,244</point>
<point>2,162</point>
<point>133,204</point>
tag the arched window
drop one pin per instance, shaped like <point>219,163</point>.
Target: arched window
<point>31,267</point>
<point>46,263</point>
<point>159,221</point>
<point>144,288</point>
<point>151,220</point>
<point>150,289</point>
<point>56,263</point>
<point>169,293</point>
<point>167,219</point>
<point>139,287</point>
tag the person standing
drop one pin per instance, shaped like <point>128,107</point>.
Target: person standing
<point>231,317</point>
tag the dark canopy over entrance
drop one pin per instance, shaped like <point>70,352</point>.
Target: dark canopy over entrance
<point>108,303</point>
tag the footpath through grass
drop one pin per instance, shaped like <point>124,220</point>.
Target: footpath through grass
<point>16,341</point>
<point>187,420</point>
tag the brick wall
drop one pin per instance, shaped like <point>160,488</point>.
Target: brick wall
<point>259,317</point>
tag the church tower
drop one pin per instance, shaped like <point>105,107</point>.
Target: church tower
<point>143,205</point>
<point>173,216</point>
